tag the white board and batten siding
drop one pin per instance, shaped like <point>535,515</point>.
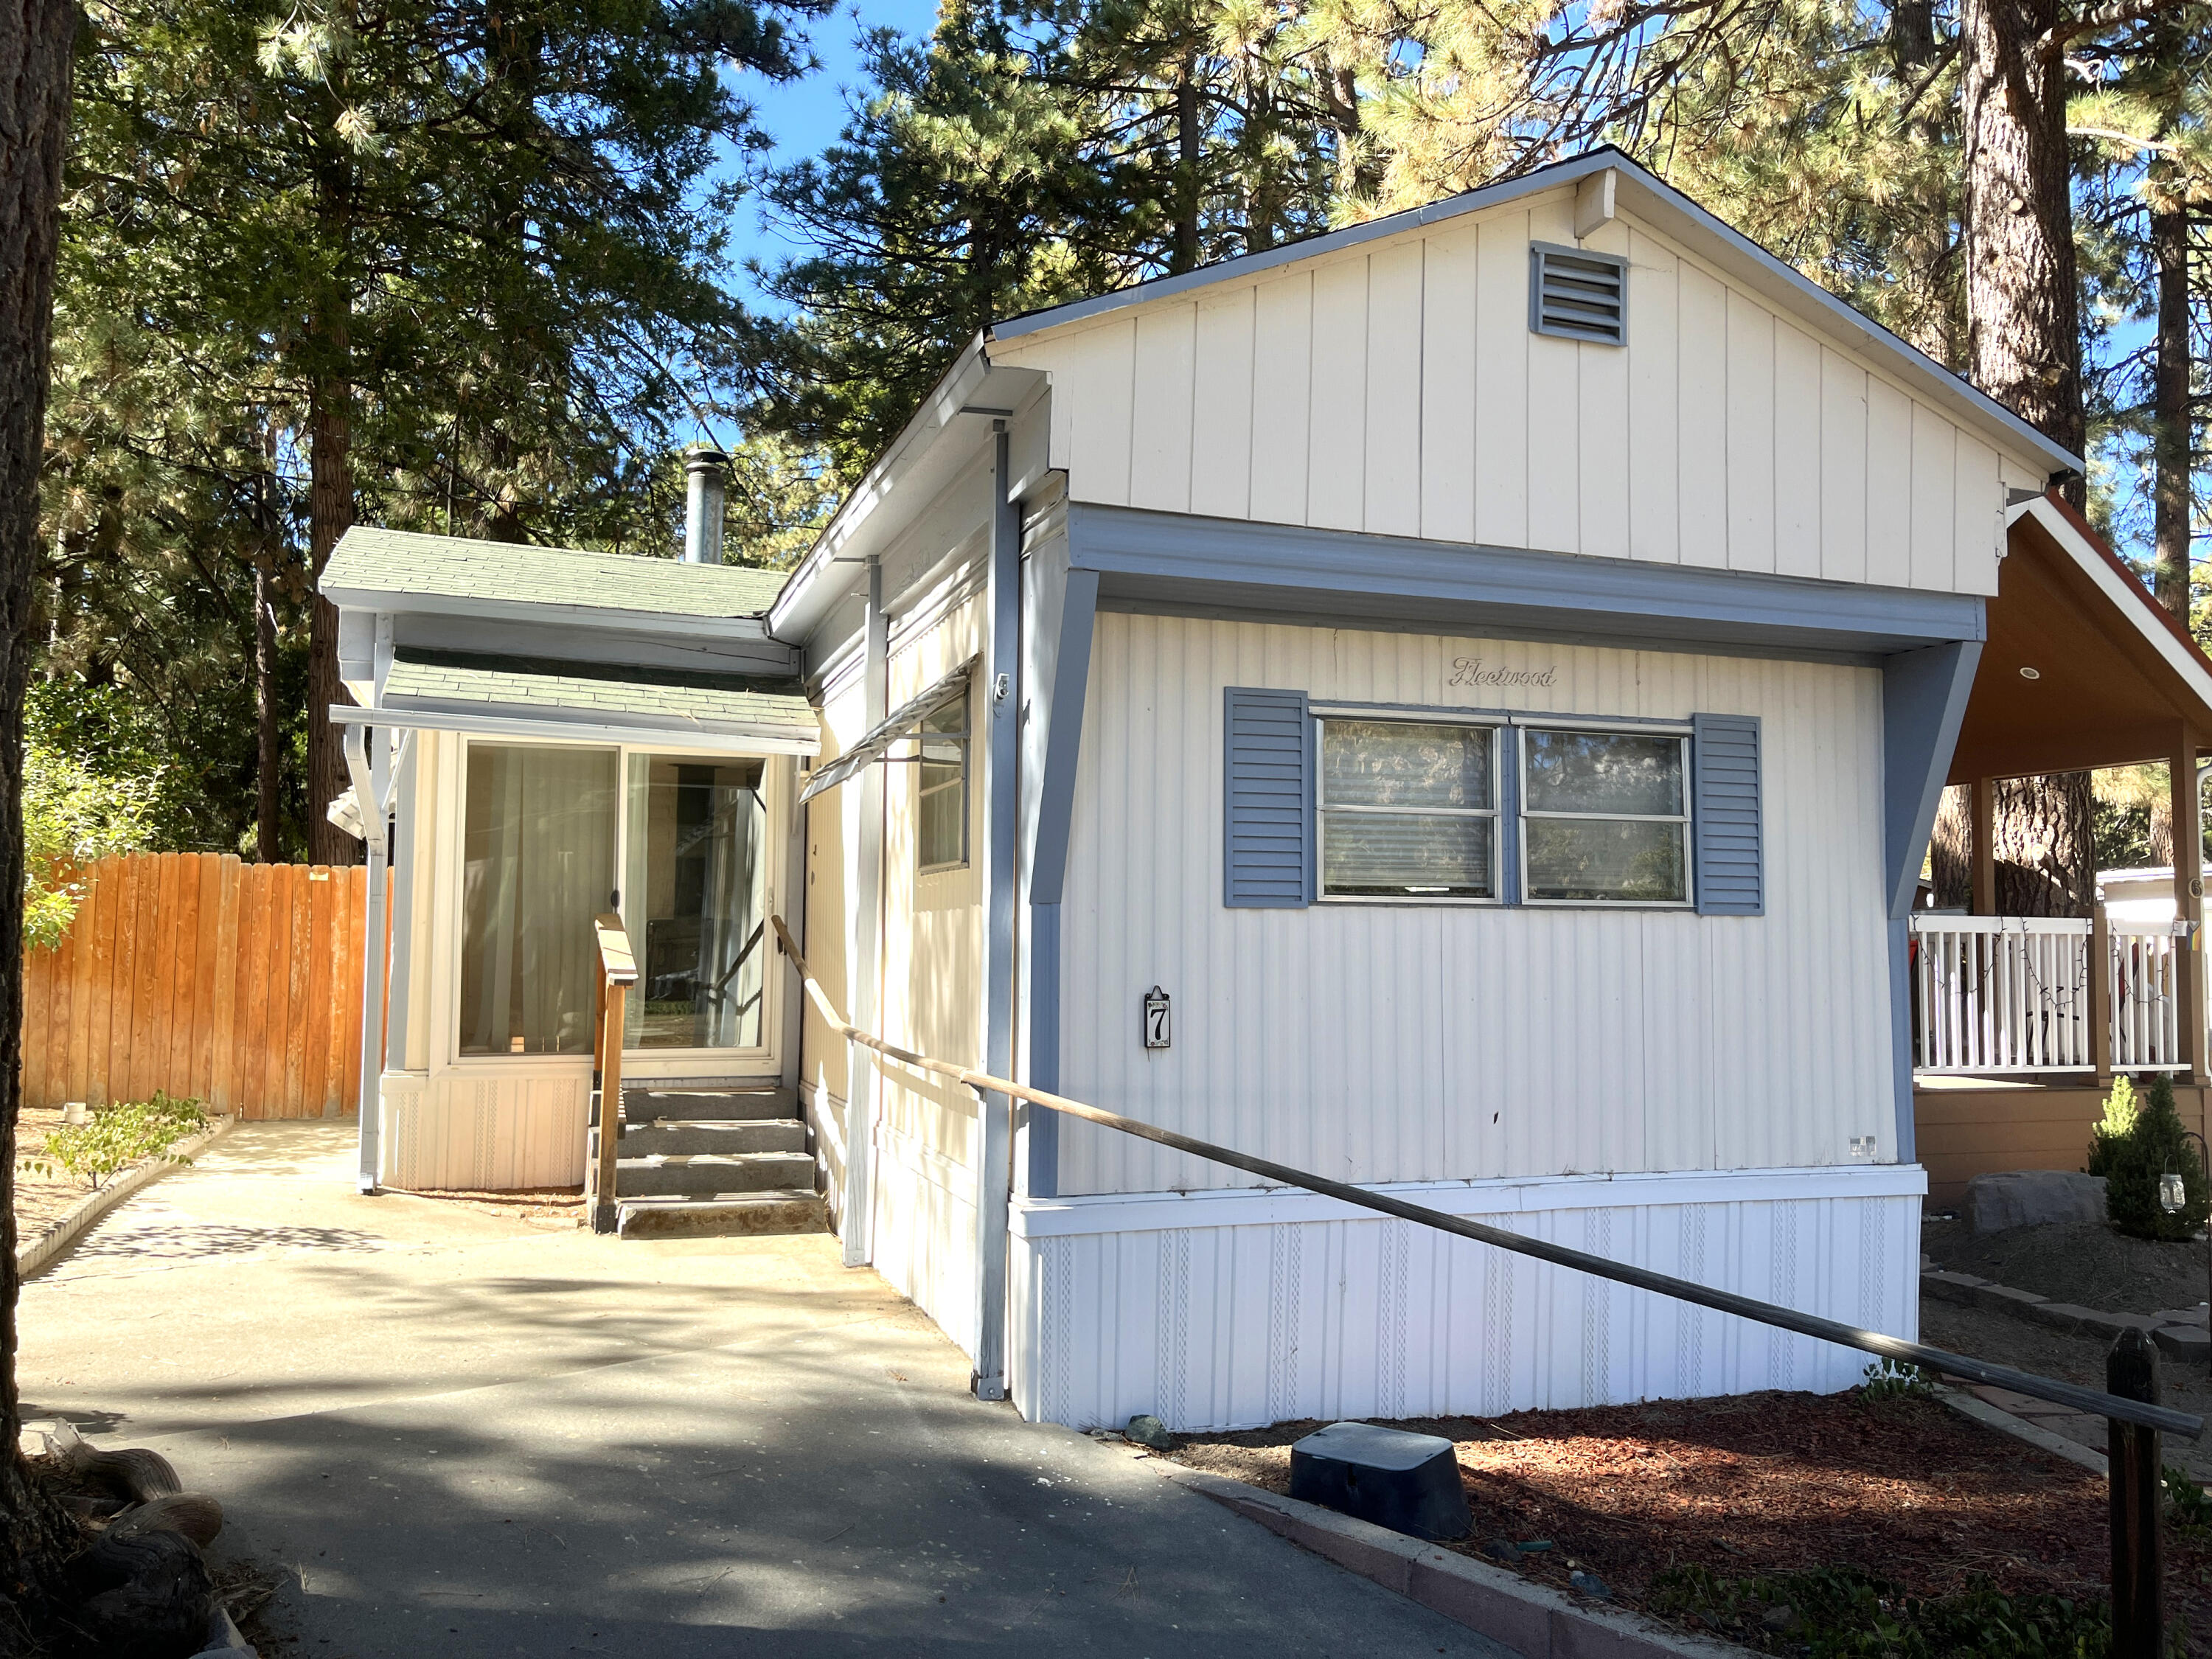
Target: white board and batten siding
<point>1396,389</point>
<point>1382,1043</point>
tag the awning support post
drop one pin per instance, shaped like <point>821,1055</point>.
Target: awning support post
<point>371,780</point>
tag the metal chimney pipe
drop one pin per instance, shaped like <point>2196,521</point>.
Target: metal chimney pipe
<point>704,469</point>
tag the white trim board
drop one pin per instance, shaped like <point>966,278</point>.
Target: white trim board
<point>1260,1206</point>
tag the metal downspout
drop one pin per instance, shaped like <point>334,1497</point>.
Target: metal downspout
<point>1000,735</point>
<point>867,953</point>
<point>371,781</point>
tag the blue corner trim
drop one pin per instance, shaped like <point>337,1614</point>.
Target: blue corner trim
<point>1232,567</point>
<point>1043,1131</point>
<point>1923,702</point>
<point>1070,683</point>
<point>1900,1034</point>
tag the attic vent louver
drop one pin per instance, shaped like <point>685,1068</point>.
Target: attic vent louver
<point>1577,295</point>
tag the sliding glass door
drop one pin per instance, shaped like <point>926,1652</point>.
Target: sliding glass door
<point>554,836</point>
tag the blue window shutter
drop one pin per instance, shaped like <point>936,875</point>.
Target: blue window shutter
<point>1731,854</point>
<point>1267,800</point>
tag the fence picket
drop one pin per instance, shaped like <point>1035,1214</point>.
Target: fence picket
<point>197,974</point>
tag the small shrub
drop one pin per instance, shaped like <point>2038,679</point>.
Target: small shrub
<point>1891,1379</point>
<point>2189,1504</point>
<point>117,1137</point>
<point>2141,1139</point>
<point>1842,1612</point>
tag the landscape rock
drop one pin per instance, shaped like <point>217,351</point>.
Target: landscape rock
<point>1589,1584</point>
<point>2033,1197</point>
<point>2184,1341</point>
<point>1146,1430</point>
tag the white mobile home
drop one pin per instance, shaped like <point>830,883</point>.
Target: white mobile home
<point>1456,705</point>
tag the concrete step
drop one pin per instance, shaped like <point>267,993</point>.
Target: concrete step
<point>786,1210</point>
<point>700,1104</point>
<point>675,1134</point>
<point>708,1174</point>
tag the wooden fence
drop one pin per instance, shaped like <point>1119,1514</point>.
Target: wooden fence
<point>196,973</point>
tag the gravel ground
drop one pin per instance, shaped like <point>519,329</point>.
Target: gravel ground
<point>2081,1263</point>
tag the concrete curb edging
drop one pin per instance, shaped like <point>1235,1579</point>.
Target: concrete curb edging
<point>73,1223</point>
<point>2004,1422</point>
<point>1534,1620</point>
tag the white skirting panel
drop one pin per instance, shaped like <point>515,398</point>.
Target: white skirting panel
<point>484,1131</point>
<point>1237,1309</point>
<point>924,1232</point>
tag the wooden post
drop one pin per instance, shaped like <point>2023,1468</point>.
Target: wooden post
<point>2188,903</point>
<point>2138,1556</point>
<point>602,1180</point>
<point>1984,850</point>
<point>2100,993</point>
<point>618,973</point>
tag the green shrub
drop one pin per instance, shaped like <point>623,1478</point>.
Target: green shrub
<point>2140,1140</point>
<point>117,1137</point>
<point>1892,1379</point>
<point>1842,1612</point>
<point>2189,1504</point>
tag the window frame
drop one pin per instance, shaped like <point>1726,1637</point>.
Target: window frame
<point>921,736</point>
<point>1495,725</point>
<point>443,968</point>
<point>1684,737</point>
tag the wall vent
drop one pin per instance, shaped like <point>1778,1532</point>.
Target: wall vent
<point>1577,295</point>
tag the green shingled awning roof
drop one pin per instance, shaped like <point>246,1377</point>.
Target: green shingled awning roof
<point>402,563</point>
<point>457,682</point>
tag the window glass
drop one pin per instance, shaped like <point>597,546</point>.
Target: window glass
<point>1406,810</point>
<point>1610,772</point>
<point>1604,819</point>
<point>693,900</point>
<point>1599,859</point>
<point>537,864</point>
<point>941,832</point>
<point>1398,763</point>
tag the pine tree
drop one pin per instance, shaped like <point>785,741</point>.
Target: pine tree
<point>461,258</point>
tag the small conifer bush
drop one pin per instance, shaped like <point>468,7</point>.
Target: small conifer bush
<point>2140,1140</point>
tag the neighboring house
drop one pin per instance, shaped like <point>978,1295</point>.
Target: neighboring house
<point>1489,671</point>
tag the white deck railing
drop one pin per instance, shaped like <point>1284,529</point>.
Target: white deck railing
<point>1996,995</point>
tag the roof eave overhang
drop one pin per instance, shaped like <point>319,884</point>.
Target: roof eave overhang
<point>1666,210</point>
<point>930,449</point>
<point>2182,660</point>
<point>677,624</point>
<point>518,722</point>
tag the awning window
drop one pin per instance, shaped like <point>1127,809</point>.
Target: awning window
<point>899,723</point>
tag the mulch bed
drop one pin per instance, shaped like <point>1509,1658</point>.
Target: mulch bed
<point>41,1199</point>
<point>2080,1262</point>
<point>1904,1489</point>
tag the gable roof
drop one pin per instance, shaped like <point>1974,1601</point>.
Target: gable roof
<point>372,568</point>
<point>1657,203</point>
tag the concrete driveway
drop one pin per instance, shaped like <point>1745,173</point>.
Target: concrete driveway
<point>459,1433</point>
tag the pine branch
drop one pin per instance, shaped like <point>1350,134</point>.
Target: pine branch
<point>2111,15</point>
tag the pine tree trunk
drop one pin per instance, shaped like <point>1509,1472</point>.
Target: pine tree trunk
<point>330,505</point>
<point>2170,484</point>
<point>36,37</point>
<point>329,514</point>
<point>2024,348</point>
<point>2046,853</point>
<point>268,830</point>
<point>2023,312</point>
<point>1189,136</point>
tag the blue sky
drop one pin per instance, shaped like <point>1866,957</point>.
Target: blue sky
<point>805,117</point>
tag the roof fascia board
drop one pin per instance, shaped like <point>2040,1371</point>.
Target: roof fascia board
<point>550,613</point>
<point>613,648</point>
<point>1667,209</point>
<point>731,739</point>
<point>1168,557</point>
<point>2125,593</point>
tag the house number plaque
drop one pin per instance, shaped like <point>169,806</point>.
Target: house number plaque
<point>1157,1032</point>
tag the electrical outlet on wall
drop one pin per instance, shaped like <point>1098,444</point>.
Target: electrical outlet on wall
<point>1862,1145</point>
